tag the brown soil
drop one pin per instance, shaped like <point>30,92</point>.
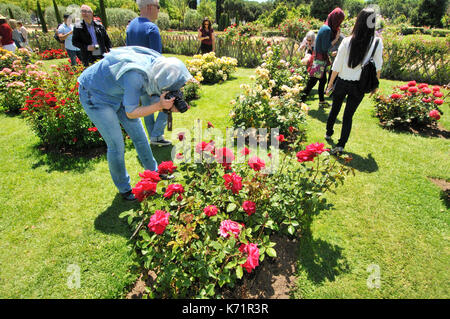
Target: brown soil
<point>273,279</point>
<point>432,131</point>
<point>445,186</point>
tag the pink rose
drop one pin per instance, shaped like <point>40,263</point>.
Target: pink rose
<point>203,147</point>
<point>245,151</point>
<point>249,207</point>
<point>252,252</point>
<point>210,210</point>
<point>435,114</point>
<point>317,148</point>
<point>228,227</point>
<point>224,156</point>
<point>158,222</point>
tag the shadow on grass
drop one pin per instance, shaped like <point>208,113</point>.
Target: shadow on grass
<point>363,164</point>
<point>66,161</point>
<point>109,222</point>
<point>321,114</point>
<point>320,259</point>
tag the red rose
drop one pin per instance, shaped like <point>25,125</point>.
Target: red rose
<point>252,252</point>
<point>427,100</point>
<point>150,175</point>
<point>245,151</point>
<point>436,88</point>
<point>210,210</point>
<point>396,96</point>
<point>210,125</point>
<point>249,207</point>
<point>181,136</point>
<point>305,156</point>
<point>173,188</point>
<point>412,83</point>
<point>317,148</point>
<point>291,129</point>
<point>426,90</point>
<point>413,89</point>
<point>144,189</point>
<point>92,129</point>
<point>422,85</point>
<point>256,163</point>
<point>280,138</point>
<point>438,94</point>
<point>233,182</point>
<point>404,87</point>
<point>438,101</point>
<point>158,222</point>
<point>166,167</point>
<point>435,114</point>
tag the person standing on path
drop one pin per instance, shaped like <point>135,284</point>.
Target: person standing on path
<point>142,31</point>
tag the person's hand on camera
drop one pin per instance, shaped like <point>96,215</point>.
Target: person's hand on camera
<point>167,104</point>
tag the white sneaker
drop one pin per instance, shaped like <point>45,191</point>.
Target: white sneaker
<point>337,150</point>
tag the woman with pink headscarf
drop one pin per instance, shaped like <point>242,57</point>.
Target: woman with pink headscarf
<point>327,37</point>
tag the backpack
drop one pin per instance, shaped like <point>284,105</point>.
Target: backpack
<point>368,80</point>
<point>56,37</point>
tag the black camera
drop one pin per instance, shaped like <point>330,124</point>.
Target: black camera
<point>179,102</point>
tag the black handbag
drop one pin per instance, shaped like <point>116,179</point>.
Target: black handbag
<point>369,80</point>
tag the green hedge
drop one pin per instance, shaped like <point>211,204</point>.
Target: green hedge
<point>423,59</point>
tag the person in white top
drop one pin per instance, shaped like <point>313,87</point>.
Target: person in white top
<point>353,52</point>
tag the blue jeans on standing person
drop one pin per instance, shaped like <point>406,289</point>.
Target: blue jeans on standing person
<point>155,128</point>
<point>73,56</point>
<point>108,120</point>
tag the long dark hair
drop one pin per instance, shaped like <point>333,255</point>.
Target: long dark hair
<point>203,24</point>
<point>362,35</point>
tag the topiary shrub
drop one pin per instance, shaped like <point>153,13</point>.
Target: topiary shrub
<point>118,17</point>
<point>192,20</point>
<point>163,21</point>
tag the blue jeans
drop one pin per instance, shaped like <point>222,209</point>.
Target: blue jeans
<point>73,56</point>
<point>156,128</point>
<point>107,120</point>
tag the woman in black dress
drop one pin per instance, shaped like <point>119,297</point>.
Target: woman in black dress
<point>206,36</point>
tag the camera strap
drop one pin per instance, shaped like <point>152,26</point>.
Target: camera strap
<point>169,121</point>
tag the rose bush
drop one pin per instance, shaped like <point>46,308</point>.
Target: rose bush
<point>207,68</point>
<point>410,105</point>
<point>54,112</point>
<point>273,100</point>
<point>53,54</point>
<point>223,214</point>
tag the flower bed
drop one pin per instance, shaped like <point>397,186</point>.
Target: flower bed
<point>207,68</point>
<point>410,105</point>
<point>215,223</point>
<point>53,54</point>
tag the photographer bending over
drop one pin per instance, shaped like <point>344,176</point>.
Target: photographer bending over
<point>110,91</point>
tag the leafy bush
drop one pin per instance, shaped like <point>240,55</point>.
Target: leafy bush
<point>163,21</point>
<point>416,58</point>
<point>207,68</point>
<point>50,16</point>
<point>191,90</point>
<point>321,8</point>
<point>200,236</point>
<point>192,20</point>
<point>295,28</point>
<point>118,17</point>
<point>41,41</point>
<point>410,105</point>
<point>117,36</point>
<point>18,12</point>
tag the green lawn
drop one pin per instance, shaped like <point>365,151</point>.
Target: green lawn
<point>58,211</point>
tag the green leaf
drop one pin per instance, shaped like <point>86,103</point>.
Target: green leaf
<point>271,252</point>
<point>231,207</point>
<point>291,230</point>
<point>239,272</point>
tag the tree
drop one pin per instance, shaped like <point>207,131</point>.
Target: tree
<point>429,13</point>
<point>57,14</point>
<point>193,4</point>
<point>103,14</point>
<point>41,18</point>
<point>219,10</point>
<point>321,8</point>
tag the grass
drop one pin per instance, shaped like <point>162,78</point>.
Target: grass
<point>57,210</point>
